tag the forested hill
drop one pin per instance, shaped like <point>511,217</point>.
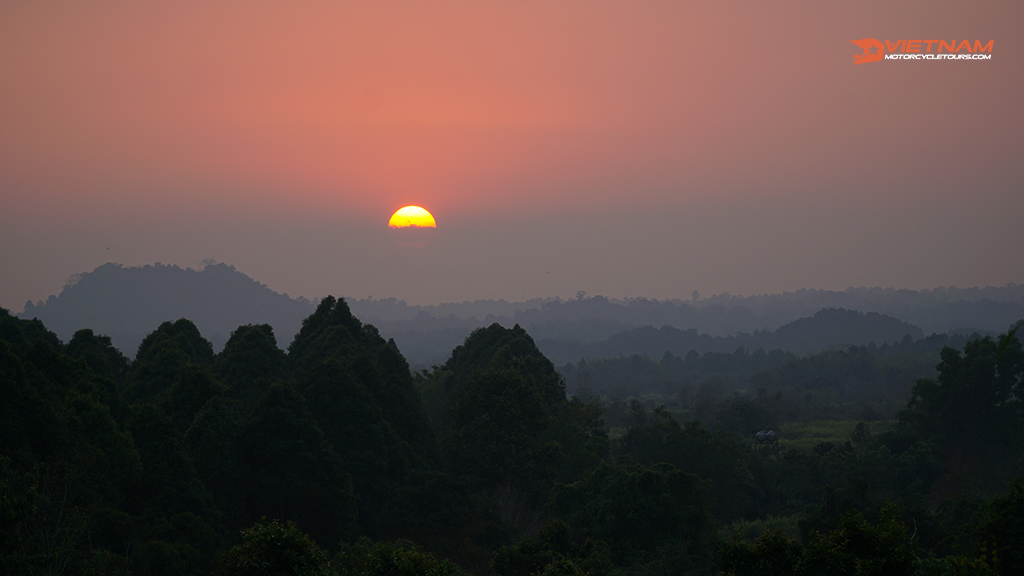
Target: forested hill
<point>333,458</point>
<point>936,310</point>
<point>594,325</point>
<point>154,466</point>
<point>126,303</point>
<point>826,329</point>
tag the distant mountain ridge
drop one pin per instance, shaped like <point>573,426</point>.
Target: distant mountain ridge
<point>426,333</point>
<point>126,303</point>
<point>934,310</point>
<point>830,327</point>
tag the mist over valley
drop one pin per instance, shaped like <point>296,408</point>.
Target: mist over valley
<point>127,303</point>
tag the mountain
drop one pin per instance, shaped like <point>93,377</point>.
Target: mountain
<point>126,303</point>
<point>830,327</point>
<point>565,328</point>
<point>839,327</point>
<point>988,309</point>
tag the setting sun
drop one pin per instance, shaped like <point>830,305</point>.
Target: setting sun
<point>412,217</point>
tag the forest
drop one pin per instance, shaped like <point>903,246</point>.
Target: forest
<point>334,457</point>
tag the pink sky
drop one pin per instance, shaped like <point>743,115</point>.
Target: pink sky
<point>621,148</point>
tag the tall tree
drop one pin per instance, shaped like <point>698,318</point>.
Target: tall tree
<point>638,510</point>
<point>504,417</point>
<point>270,548</point>
<point>498,419</point>
<point>250,362</point>
<point>292,471</point>
<point>975,405</point>
<point>100,355</point>
<point>331,333</point>
<point>163,355</point>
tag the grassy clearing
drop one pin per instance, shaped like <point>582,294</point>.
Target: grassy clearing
<point>615,434</point>
<point>753,529</point>
<point>806,435</point>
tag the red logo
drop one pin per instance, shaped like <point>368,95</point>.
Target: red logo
<point>873,51</point>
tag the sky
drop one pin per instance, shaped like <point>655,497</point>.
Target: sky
<point>628,149</point>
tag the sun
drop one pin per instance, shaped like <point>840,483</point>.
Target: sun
<point>412,217</point>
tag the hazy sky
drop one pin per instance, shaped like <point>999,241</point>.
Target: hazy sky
<point>621,148</point>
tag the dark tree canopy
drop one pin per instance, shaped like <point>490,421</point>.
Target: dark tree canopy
<point>186,338</point>
<point>270,548</point>
<point>503,413</point>
<point>636,509</point>
<point>249,362</point>
<point>975,405</point>
<point>292,470</point>
<point>100,355</point>
<point>163,356</point>
<point>499,347</point>
<point>332,335</point>
<point>22,335</point>
<point>154,467</point>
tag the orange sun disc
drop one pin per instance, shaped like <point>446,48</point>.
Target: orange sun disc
<point>412,217</point>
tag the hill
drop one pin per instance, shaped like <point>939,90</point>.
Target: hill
<point>426,333</point>
<point>126,303</point>
<point>830,327</point>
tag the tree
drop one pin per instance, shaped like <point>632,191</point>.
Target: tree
<point>637,509</point>
<point>351,421</point>
<point>168,483</point>
<point>249,362</point>
<point>293,473</point>
<point>192,389</point>
<point>860,548</point>
<point>29,425</point>
<point>23,335</point>
<point>213,444</point>
<point>186,338</point>
<point>499,347</point>
<point>504,415</point>
<point>100,355</point>
<point>270,548</point>
<point>162,356</point>
<point>855,548</point>
<point>497,420</point>
<point>15,508</point>
<point>357,352</point>
<point>553,550</point>
<point>1002,529</point>
<point>773,554</point>
<point>366,558</point>
<point>693,448</point>
<point>975,405</point>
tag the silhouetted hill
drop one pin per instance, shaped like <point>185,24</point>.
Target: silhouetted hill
<point>126,303</point>
<point>835,327</point>
<point>425,334</point>
<point>828,328</point>
<point>987,309</point>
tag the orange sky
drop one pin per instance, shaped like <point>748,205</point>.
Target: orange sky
<point>576,135</point>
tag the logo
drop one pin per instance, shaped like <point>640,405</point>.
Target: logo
<point>875,50</point>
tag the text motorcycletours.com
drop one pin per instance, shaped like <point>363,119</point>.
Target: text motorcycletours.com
<point>938,56</point>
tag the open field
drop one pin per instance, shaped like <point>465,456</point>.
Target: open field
<point>806,435</point>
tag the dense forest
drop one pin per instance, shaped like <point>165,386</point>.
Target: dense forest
<point>334,457</point>
<point>853,382</point>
